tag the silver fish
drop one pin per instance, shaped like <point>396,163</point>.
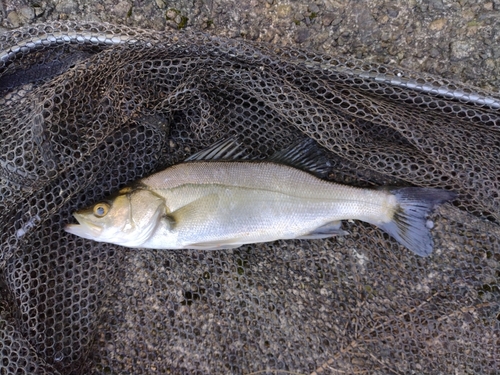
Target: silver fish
<point>214,200</point>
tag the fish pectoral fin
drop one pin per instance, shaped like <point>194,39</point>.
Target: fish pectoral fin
<point>197,211</point>
<point>328,230</point>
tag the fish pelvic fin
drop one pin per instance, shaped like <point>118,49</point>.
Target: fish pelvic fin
<point>409,223</point>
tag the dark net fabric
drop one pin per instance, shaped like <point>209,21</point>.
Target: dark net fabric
<point>86,109</point>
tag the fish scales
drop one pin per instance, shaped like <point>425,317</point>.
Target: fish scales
<point>255,202</point>
<point>264,176</point>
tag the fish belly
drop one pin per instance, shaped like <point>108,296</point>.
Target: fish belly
<point>242,216</point>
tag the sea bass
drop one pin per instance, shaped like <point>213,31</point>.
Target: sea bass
<point>216,200</point>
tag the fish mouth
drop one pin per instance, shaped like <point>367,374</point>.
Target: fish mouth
<point>83,228</point>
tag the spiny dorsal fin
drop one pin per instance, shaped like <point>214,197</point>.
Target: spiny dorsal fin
<point>304,155</point>
<point>225,149</point>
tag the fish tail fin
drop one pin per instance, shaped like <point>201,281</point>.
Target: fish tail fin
<point>409,223</point>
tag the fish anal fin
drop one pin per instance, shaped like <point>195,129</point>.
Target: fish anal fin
<point>328,230</point>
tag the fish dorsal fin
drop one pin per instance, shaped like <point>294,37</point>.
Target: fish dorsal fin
<point>225,149</point>
<point>305,155</point>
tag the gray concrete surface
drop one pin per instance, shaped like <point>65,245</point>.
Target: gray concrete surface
<point>454,39</point>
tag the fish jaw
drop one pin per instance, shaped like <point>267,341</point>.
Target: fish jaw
<point>84,228</point>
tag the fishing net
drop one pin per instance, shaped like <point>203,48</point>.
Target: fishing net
<point>86,109</point>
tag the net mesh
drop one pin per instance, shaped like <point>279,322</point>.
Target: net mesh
<point>87,108</point>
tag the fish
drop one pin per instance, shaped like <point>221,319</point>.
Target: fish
<point>220,199</point>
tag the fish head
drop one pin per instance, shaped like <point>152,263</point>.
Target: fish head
<point>128,218</point>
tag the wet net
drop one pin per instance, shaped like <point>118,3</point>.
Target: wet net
<point>86,109</point>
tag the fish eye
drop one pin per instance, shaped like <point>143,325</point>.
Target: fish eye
<point>101,209</point>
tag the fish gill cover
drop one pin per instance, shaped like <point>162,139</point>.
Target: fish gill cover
<point>116,104</point>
